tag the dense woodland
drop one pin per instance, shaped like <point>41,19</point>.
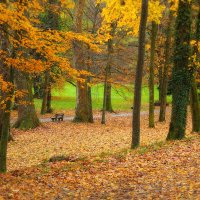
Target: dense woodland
<point>46,44</point>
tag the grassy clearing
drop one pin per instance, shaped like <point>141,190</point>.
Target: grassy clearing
<point>122,98</point>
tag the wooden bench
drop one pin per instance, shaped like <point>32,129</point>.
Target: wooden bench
<point>58,117</point>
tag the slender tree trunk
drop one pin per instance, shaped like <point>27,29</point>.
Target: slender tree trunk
<point>107,104</point>
<point>110,48</point>
<point>27,117</point>
<point>164,85</point>
<point>109,95</point>
<point>5,132</point>
<point>103,118</point>
<point>5,126</point>
<point>89,89</point>
<point>45,93</point>
<point>138,78</point>
<point>6,96</point>
<point>49,108</point>
<point>160,76</point>
<point>181,75</point>
<point>151,74</point>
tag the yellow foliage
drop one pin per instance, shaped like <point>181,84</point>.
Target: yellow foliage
<point>127,16</point>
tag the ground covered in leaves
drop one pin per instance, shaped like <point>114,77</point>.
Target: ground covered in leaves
<point>160,171</point>
<point>36,146</point>
<point>95,162</point>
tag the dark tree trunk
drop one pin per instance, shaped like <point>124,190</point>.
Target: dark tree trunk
<point>103,118</point>
<point>109,95</point>
<point>164,85</point>
<point>160,73</point>
<point>107,104</point>
<point>151,74</point>
<point>194,97</point>
<point>5,132</point>
<point>138,78</point>
<point>1,119</point>
<point>49,108</point>
<point>195,108</point>
<point>45,92</point>
<point>6,96</point>
<point>37,86</point>
<point>27,117</point>
<point>181,75</point>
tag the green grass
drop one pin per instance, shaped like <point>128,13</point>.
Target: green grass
<point>122,98</point>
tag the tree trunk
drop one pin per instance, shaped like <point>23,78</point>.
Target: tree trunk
<point>109,95</point>
<point>5,136</point>
<point>82,113</point>
<point>181,75</point>
<point>138,78</point>
<point>27,117</point>
<point>195,108</point>
<point>6,96</point>
<point>103,118</point>
<point>160,73</point>
<point>151,74</point>
<point>49,108</point>
<point>45,93</point>
<point>164,85</point>
<point>194,97</point>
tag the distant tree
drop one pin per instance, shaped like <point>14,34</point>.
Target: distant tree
<point>51,21</point>
<point>181,74</point>
<point>154,30</point>
<point>167,61</point>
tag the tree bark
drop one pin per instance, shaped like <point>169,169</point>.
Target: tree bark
<point>164,85</point>
<point>194,97</point>
<point>138,78</point>
<point>151,74</point>
<point>82,113</point>
<point>195,108</point>
<point>49,108</point>
<point>6,96</point>
<point>103,118</point>
<point>46,86</point>
<point>107,105</point>
<point>27,117</point>
<point>181,75</point>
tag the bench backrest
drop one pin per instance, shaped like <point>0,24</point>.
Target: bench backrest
<point>60,115</point>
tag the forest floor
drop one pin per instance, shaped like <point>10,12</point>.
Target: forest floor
<point>66,138</point>
<point>99,163</point>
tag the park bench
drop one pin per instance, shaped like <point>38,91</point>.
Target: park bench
<point>58,117</point>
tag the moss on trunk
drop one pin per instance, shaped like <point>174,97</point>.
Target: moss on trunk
<point>27,117</point>
<point>181,75</point>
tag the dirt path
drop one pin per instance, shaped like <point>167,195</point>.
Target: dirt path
<point>123,114</point>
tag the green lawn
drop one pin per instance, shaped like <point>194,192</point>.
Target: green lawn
<point>122,98</point>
